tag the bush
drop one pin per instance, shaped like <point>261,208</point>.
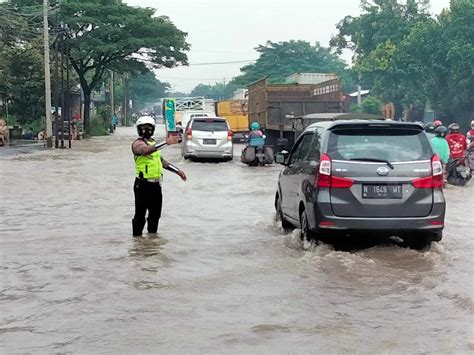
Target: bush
<point>98,128</point>
<point>368,105</point>
<point>101,121</point>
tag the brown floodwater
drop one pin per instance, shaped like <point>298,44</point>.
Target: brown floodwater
<point>221,277</point>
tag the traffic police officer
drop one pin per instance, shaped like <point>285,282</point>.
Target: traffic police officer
<point>149,168</point>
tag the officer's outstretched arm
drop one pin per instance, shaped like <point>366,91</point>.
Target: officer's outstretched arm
<point>174,169</point>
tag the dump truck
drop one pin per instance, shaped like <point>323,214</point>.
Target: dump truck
<point>235,112</point>
<point>277,106</point>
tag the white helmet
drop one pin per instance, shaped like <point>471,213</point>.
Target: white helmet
<point>472,124</point>
<point>145,120</point>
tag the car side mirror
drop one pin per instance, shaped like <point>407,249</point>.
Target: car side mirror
<point>282,157</point>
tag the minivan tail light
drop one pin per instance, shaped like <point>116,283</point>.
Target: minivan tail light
<point>189,133</point>
<point>325,179</point>
<point>436,180</point>
<point>230,134</point>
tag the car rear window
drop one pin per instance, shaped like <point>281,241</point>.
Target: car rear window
<point>210,125</point>
<point>390,144</point>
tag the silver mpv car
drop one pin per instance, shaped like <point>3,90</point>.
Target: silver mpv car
<point>351,176</point>
<point>207,137</point>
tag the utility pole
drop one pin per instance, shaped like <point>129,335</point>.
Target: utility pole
<point>47,77</point>
<point>112,101</point>
<point>125,101</point>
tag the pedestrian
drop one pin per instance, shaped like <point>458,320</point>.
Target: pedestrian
<point>149,166</point>
<point>114,121</point>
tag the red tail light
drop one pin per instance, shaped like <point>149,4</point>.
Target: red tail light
<point>189,133</point>
<point>230,134</point>
<point>325,179</point>
<point>435,180</point>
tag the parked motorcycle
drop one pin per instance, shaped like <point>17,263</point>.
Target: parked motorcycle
<point>257,156</point>
<point>457,172</point>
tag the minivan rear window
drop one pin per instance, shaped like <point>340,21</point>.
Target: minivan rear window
<point>390,144</point>
<point>209,125</point>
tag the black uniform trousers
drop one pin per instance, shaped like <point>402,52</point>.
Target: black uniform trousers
<point>148,196</point>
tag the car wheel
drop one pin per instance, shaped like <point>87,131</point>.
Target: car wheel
<point>279,215</point>
<point>306,233</point>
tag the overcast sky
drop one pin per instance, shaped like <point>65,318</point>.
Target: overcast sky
<point>225,30</point>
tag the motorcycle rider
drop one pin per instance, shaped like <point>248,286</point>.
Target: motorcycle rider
<point>256,137</point>
<point>440,145</point>
<point>470,145</point>
<point>429,128</point>
<point>149,165</point>
<point>456,141</point>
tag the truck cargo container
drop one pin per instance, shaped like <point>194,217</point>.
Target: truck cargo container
<point>310,78</point>
<point>275,106</point>
<point>235,112</point>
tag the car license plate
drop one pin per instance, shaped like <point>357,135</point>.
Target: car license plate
<point>382,191</point>
<point>208,141</point>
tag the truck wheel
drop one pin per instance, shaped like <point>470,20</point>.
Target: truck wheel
<point>279,214</point>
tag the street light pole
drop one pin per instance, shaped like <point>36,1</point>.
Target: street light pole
<point>47,77</point>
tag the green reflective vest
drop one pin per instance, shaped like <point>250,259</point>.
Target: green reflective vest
<point>149,165</point>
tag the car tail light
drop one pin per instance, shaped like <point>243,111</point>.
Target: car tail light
<point>327,224</point>
<point>230,134</point>
<point>189,133</point>
<point>325,179</point>
<point>435,180</point>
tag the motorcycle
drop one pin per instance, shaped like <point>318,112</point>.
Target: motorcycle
<point>257,156</point>
<point>457,171</point>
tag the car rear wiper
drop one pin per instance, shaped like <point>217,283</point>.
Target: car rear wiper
<point>375,160</point>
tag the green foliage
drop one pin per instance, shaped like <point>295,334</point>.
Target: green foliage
<point>101,121</point>
<point>22,80</point>
<point>210,91</point>
<point>280,59</point>
<point>145,89</point>
<point>369,104</point>
<point>381,21</point>
<point>105,34</point>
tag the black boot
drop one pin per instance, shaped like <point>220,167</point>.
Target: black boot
<point>137,227</point>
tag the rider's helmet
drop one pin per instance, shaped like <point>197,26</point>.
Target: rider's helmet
<point>453,128</point>
<point>429,127</point>
<point>441,131</point>
<point>255,126</point>
<point>472,124</point>
<point>438,123</point>
<point>142,122</point>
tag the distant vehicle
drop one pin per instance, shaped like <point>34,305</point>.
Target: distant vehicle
<point>362,175</point>
<point>275,106</point>
<point>235,112</point>
<point>207,137</point>
<point>186,116</point>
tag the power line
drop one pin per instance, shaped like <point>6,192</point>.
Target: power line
<point>230,62</point>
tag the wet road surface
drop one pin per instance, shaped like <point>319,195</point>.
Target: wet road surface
<point>222,277</point>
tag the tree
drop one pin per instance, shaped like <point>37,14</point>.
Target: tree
<point>106,34</point>
<point>143,89</point>
<point>374,37</point>
<point>381,21</point>
<point>210,91</point>
<point>279,60</point>
<point>438,58</point>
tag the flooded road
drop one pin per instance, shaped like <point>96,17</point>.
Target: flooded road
<point>222,277</point>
